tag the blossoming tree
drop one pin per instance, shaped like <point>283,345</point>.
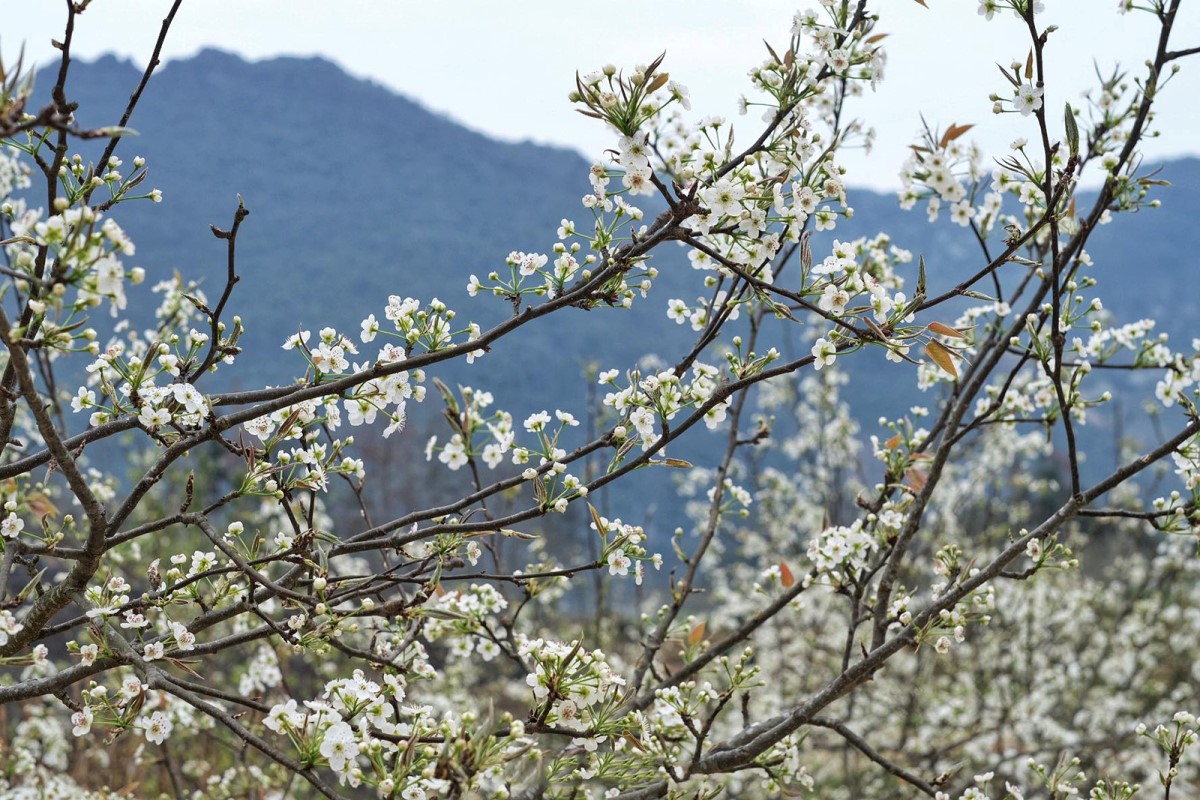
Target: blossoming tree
<point>928,630</point>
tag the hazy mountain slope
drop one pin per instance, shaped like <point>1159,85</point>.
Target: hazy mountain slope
<point>357,193</point>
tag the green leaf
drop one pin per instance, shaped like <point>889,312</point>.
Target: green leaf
<point>919,297</point>
<point>1072,131</point>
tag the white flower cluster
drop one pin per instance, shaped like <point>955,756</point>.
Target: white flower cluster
<point>489,436</point>
<point>14,173</point>
<point>109,598</point>
<point>674,703</point>
<point>323,723</point>
<point>572,683</point>
<point>361,729</point>
<point>661,396</point>
<point>842,552</point>
<point>261,673</point>
<point>1182,374</point>
<point>463,617</point>
<point>126,378</point>
<point>77,236</point>
<point>8,626</point>
<point>863,268</point>
<point>1187,466</point>
<point>118,709</point>
<point>947,172</point>
<point>12,525</point>
<point>625,548</point>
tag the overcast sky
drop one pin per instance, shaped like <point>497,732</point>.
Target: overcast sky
<point>505,68</point>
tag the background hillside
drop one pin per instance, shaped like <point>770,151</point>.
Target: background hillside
<point>357,193</point>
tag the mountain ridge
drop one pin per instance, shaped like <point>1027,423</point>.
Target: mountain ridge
<point>357,192</point>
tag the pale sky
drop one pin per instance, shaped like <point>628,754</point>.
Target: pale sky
<point>505,68</point>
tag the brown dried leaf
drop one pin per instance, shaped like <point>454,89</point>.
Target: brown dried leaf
<point>771,50</point>
<point>785,575</point>
<point>952,133</point>
<point>946,330</point>
<point>696,636</point>
<point>183,666</point>
<point>916,478</point>
<point>677,463</point>
<point>41,505</point>
<point>658,83</point>
<point>1029,66</point>
<point>447,395</point>
<point>893,443</point>
<point>596,519</point>
<point>512,534</point>
<point>941,356</point>
<point>627,736</point>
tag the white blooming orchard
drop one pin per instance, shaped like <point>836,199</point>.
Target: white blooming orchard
<point>913,606</point>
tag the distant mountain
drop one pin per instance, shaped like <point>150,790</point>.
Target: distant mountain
<point>357,193</point>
